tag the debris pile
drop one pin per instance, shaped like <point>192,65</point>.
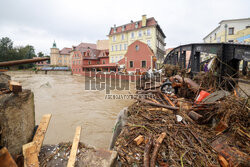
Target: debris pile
<point>206,128</point>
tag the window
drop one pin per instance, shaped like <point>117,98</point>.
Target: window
<point>132,34</point>
<point>143,64</point>
<point>122,36</point>
<point>120,46</point>
<point>136,47</point>
<point>131,64</point>
<point>120,57</point>
<point>112,59</point>
<point>123,28</point>
<point>89,62</point>
<point>139,34</point>
<point>103,62</point>
<point>231,31</point>
<point>114,38</point>
<point>231,41</point>
<point>148,32</point>
<point>115,47</point>
<point>112,48</point>
<point>136,25</point>
<point>125,46</point>
<point>247,26</point>
<point>116,58</point>
<point>215,36</point>
<point>73,62</point>
<point>148,42</point>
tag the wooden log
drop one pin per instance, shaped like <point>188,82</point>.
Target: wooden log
<point>15,87</point>
<point>72,157</point>
<point>40,133</point>
<point>30,155</point>
<point>139,139</point>
<point>158,105</point>
<point>168,100</point>
<point>147,150</point>
<point>161,109</point>
<point>156,148</point>
<point>6,159</point>
<point>155,101</point>
<point>223,161</point>
<point>195,116</point>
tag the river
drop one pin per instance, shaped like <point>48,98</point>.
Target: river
<point>65,97</point>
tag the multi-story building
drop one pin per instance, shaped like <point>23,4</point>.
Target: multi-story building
<point>145,30</point>
<point>86,60</point>
<point>60,57</point>
<point>235,31</point>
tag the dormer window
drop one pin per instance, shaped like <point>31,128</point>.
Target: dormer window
<point>114,30</point>
<point>123,28</point>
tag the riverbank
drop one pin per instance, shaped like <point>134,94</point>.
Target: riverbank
<point>38,72</point>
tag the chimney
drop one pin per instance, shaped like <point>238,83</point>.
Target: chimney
<point>144,20</point>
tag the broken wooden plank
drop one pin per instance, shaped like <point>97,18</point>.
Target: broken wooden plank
<point>41,130</point>
<point>15,87</point>
<point>30,155</point>
<point>72,157</point>
<point>6,159</point>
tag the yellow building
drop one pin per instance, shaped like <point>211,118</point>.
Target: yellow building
<point>60,57</point>
<point>145,30</point>
<point>235,31</point>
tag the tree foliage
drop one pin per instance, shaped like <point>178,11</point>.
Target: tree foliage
<point>8,52</point>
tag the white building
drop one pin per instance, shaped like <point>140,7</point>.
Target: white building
<point>235,30</point>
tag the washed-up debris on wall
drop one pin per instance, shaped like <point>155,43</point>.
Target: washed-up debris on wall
<point>200,124</point>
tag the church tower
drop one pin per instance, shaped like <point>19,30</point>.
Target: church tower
<point>54,54</point>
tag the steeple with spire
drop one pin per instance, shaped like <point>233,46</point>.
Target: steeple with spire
<point>54,44</point>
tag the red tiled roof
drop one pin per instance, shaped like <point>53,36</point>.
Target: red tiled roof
<point>86,45</point>
<point>131,26</point>
<point>101,65</point>
<point>65,51</point>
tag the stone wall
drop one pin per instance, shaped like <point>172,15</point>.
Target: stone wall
<point>17,120</point>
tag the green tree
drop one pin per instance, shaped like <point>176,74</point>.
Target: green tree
<point>40,54</point>
<point>6,45</point>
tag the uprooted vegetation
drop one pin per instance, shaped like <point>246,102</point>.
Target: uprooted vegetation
<point>169,130</point>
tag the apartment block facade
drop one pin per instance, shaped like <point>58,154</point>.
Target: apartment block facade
<point>235,31</point>
<point>146,30</point>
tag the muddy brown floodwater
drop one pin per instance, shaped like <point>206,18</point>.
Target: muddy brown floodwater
<point>65,97</point>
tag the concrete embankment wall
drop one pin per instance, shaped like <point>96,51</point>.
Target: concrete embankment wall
<point>17,117</point>
<point>39,72</point>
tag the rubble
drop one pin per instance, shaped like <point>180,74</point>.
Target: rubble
<point>211,132</point>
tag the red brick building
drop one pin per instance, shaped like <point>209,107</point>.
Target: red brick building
<point>139,57</point>
<point>89,59</point>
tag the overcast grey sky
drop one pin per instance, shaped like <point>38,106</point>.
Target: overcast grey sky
<point>69,22</point>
